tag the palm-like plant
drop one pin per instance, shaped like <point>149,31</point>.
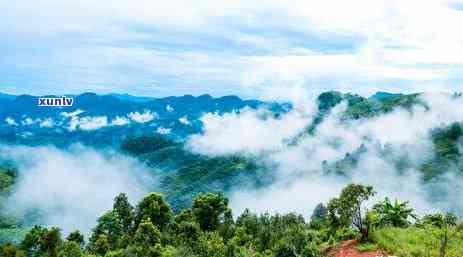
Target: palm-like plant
<point>395,214</point>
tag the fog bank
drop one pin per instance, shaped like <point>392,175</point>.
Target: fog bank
<point>72,188</point>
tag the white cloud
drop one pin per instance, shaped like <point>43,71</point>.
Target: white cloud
<point>28,121</point>
<point>120,121</point>
<point>43,123</point>
<point>353,45</point>
<point>88,123</point>
<point>297,164</point>
<point>184,120</point>
<point>146,116</point>
<point>163,131</point>
<point>72,188</point>
<point>248,131</point>
<point>169,108</point>
<point>71,114</point>
<point>27,134</point>
<point>46,123</point>
<point>10,121</point>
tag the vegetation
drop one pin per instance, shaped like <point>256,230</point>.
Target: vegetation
<point>447,144</point>
<point>361,107</point>
<point>208,228</point>
<point>346,210</point>
<point>7,178</point>
<point>418,241</point>
<point>184,174</point>
<point>395,214</point>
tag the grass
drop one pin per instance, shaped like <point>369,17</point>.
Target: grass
<point>367,247</point>
<point>417,242</point>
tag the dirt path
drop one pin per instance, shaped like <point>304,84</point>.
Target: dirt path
<point>347,249</point>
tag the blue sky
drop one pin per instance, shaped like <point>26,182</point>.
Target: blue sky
<point>264,49</point>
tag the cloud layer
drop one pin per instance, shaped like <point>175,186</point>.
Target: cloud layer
<point>223,47</point>
<point>299,165</point>
<point>72,188</point>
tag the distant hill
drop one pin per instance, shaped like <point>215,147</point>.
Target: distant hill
<point>381,95</point>
<point>7,96</point>
<point>103,119</point>
<point>108,119</point>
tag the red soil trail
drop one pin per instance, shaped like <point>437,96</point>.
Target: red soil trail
<point>347,249</point>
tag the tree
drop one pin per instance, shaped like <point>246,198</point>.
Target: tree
<point>31,243</point>
<point>109,226</point>
<point>154,208</point>
<point>209,210</point>
<point>285,249</point>
<point>396,214</point>
<point>319,213</point>
<point>188,232</point>
<point>50,242</point>
<point>185,215</point>
<point>318,219</point>
<point>146,241</point>
<point>346,210</point>
<point>76,237</point>
<point>101,245</point>
<point>8,250</point>
<point>227,227</point>
<point>147,234</point>
<point>124,212</point>
<point>210,244</point>
<point>42,241</point>
<point>438,220</point>
<point>71,249</point>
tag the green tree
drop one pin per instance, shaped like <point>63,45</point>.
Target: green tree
<point>395,214</point>
<point>147,234</point>
<point>210,244</point>
<point>227,228</point>
<point>154,208</point>
<point>319,213</point>
<point>188,232</point>
<point>124,212</point>
<point>185,215</point>
<point>102,244</point>
<point>209,210</point>
<point>318,219</point>
<point>8,250</point>
<point>51,241</point>
<point>77,237</point>
<point>109,226</point>
<point>71,249</point>
<point>346,210</point>
<point>438,220</point>
<point>146,241</point>
<point>284,249</point>
<point>42,241</point>
<point>31,244</point>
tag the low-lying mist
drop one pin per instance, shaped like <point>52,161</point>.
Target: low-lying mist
<point>378,144</point>
<point>71,188</point>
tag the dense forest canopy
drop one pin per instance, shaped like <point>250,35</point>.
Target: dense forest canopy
<point>207,228</point>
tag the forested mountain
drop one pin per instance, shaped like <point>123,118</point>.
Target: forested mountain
<point>110,117</point>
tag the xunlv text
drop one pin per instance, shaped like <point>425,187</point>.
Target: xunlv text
<point>55,101</point>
